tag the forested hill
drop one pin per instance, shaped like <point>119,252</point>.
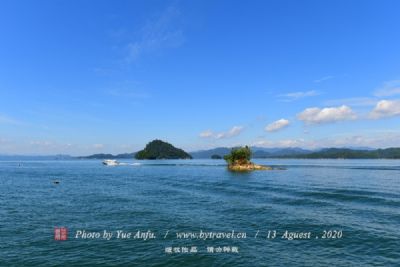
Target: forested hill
<point>158,149</point>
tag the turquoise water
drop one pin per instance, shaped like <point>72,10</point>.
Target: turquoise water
<point>358,198</point>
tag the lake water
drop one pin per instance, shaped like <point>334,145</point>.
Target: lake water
<point>358,200</point>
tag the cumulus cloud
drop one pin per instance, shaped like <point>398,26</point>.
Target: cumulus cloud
<point>326,115</point>
<point>389,88</point>
<point>277,125</point>
<point>236,130</point>
<point>298,95</point>
<point>386,108</point>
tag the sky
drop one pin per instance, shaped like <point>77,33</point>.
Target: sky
<point>83,77</point>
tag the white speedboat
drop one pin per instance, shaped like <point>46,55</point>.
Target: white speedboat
<point>110,162</point>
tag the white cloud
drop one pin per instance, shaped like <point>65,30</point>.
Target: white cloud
<point>389,88</point>
<point>352,101</point>
<point>41,143</point>
<point>326,115</point>
<point>373,140</point>
<point>156,34</point>
<point>236,130</point>
<point>206,134</point>
<point>282,143</point>
<point>4,119</point>
<point>98,146</point>
<point>323,79</point>
<point>298,95</point>
<point>386,108</point>
<point>277,125</point>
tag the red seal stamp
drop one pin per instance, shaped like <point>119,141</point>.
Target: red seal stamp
<point>60,233</point>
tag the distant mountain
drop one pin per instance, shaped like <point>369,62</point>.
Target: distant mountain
<point>277,152</point>
<point>110,156</point>
<point>35,157</point>
<point>346,153</point>
<point>158,149</point>
<point>258,152</point>
<point>98,156</point>
<point>206,154</point>
<point>126,155</point>
<point>358,148</point>
<point>294,152</point>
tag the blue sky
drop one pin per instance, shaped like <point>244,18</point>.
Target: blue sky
<point>81,77</point>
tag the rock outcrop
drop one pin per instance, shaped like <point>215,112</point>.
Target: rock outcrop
<point>247,167</point>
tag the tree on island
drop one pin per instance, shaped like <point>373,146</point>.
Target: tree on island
<point>239,160</point>
<point>215,156</point>
<point>240,155</point>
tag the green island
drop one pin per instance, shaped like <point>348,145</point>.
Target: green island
<point>158,149</point>
<point>239,160</point>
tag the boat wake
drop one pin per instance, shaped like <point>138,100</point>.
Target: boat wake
<point>130,164</point>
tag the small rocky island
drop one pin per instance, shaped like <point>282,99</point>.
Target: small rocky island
<point>239,160</point>
<point>158,149</point>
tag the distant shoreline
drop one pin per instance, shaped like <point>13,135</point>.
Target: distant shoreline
<point>259,153</point>
<point>285,153</point>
